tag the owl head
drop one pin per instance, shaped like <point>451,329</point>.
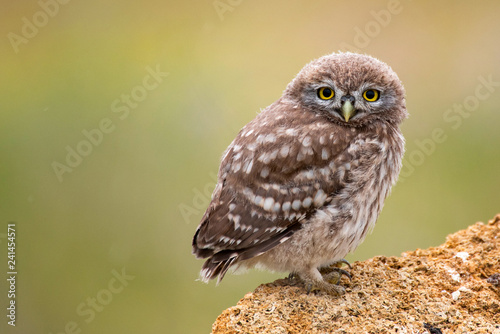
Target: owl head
<point>349,89</point>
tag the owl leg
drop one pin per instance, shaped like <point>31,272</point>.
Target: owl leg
<point>313,280</point>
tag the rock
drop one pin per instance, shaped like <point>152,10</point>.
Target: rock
<point>453,288</point>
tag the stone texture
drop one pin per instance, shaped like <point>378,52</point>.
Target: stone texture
<point>453,288</point>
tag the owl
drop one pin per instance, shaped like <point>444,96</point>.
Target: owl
<point>303,183</point>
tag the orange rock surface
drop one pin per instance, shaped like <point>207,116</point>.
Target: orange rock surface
<point>453,288</point>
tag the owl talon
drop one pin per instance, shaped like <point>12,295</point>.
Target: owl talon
<point>329,288</point>
<point>293,279</point>
<point>335,276</point>
<point>343,272</point>
<point>326,283</point>
<point>342,261</point>
<point>336,290</point>
<point>335,271</point>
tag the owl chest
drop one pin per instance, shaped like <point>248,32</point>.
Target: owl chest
<point>368,184</point>
<point>352,213</point>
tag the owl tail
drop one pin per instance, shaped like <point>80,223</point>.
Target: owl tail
<point>219,263</point>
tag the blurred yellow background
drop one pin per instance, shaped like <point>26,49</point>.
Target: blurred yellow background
<point>114,116</point>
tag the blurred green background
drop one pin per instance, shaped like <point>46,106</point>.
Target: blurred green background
<point>134,201</point>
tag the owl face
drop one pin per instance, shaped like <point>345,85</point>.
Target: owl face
<point>349,89</point>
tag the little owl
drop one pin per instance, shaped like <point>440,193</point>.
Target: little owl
<point>304,182</point>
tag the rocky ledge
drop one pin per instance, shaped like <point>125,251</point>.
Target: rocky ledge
<point>452,288</point>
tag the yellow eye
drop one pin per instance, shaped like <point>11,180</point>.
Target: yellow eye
<point>371,95</point>
<point>326,93</point>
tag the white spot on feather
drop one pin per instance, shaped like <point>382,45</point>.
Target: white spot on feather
<point>268,203</point>
<point>284,151</point>
<point>319,198</point>
<point>284,239</point>
<point>307,202</point>
<point>270,138</point>
<point>264,172</point>
<point>248,166</point>
<point>270,229</point>
<point>224,239</point>
<point>248,192</point>
<point>324,171</point>
<point>324,154</point>
<point>306,151</point>
<point>296,204</point>
<point>236,167</point>
<point>300,156</point>
<point>236,220</point>
<point>276,207</point>
<point>252,146</point>
<point>264,157</point>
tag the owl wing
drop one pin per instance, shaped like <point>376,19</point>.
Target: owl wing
<point>271,180</point>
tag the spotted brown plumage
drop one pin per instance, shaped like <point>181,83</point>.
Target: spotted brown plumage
<point>302,184</point>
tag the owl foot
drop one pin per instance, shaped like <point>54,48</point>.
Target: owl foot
<point>293,279</point>
<point>314,281</point>
<point>330,288</point>
<point>333,273</point>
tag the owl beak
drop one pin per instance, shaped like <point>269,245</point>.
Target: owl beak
<point>347,110</point>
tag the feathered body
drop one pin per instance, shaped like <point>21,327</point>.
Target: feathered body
<point>302,184</point>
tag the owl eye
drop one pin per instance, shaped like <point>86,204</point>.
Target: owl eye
<point>325,93</point>
<point>371,95</point>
